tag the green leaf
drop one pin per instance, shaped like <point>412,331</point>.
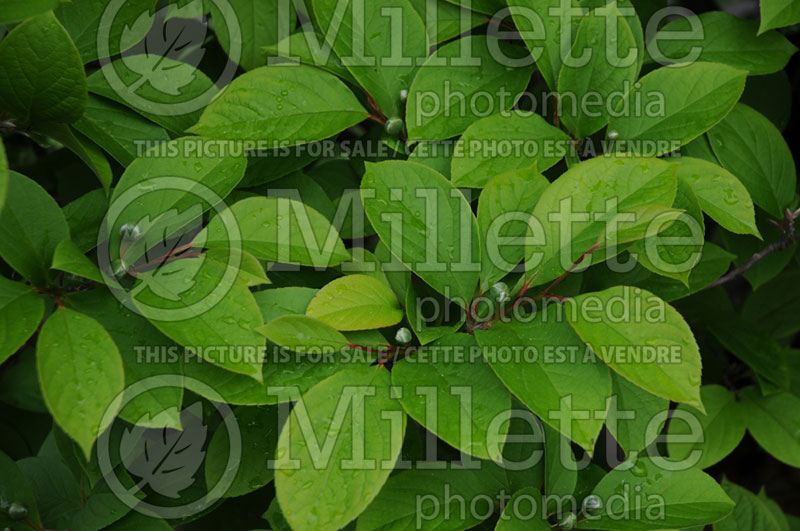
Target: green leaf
<point>281,104</point>
<point>647,327</point>
<point>429,499</point>
<point>434,216</point>
<point>505,142</point>
<point>19,10</point>
<point>91,21</point>
<point>251,272</point>
<point>84,215</point>
<point>751,147</point>
<point>560,465</point>
<point>14,487</point>
<point>382,66</point>
<point>611,67</point>
<point>517,514</point>
<point>356,302</point>
<point>305,238</point>
<point>550,362</point>
<point>778,14</point>
<point>753,513</point>
<point>443,20</point>
<point>726,39</point>
<point>304,334</point>
<point>547,28</point>
<point>773,307</point>
<point>466,71</point>
<point>326,485</point>
<point>632,433</point>
<point>504,209</point>
<point>722,196</point>
<point>81,375</point>
<point>430,325</point>
<point>309,47</point>
<point>27,242</point>
<point>450,389</point>
<point>669,499</point>
<point>21,310</point>
<point>144,355</point>
<point>30,88</point>
<point>744,247</point>
<point>714,434</point>
<point>266,22</point>
<point>170,93</point>
<point>120,132</point>
<point>595,193</point>
<point>488,7</point>
<point>69,258</point>
<point>674,105</point>
<point>676,250</point>
<point>84,148</point>
<point>774,422</point>
<point>136,521</point>
<point>3,176</point>
<point>258,428</point>
<point>220,323</point>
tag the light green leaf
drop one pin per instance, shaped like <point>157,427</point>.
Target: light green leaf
<point>505,142</point>
<point>749,146</point>
<point>260,24</point>
<point>631,433</point>
<point>678,499</point>
<point>278,230</point>
<point>430,115</point>
<point>332,482</point>
<point>27,242</point>
<point>81,375</point>
<point>752,513</point>
<point>647,328</point>
<point>135,84</point>
<point>283,106</point>
<point>304,334</point>
<point>774,421</point>
<point>68,257</point>
<point>450,389</point>
<point>87,21</point>
<point>251,272</point>
<point>18,10</point>
<point>725,39</point>
<point>21,310</point>
<point>598,194</point>
<point>716,433</point>
<point>778,14</point>
<point>30,88</point>
<point>356,302</point>
<point>612,66</point>
<point>677,104</point>
<point>722,196</point>
<point>122,133</point>
<point>434,216</point>
<point>219,322</point>
<point>504,208</point>
<point>382,66</point>
<point>258,428</point>
<point>550,363</point>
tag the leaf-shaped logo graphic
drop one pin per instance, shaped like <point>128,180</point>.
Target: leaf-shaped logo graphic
<point>149,242</point>
<point>166,460</point>
<point>168,56</point>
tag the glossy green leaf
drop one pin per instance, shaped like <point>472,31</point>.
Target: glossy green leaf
<point>631,432</point>
<point>648,343</point>
<point>283,105</point>
<point>550,363</point>
<point>560,465</point>
<point>774,422</point>
<point>778,13</point>
<point>434,216</point>
<point>304,334</point>
<point>675,105</point>
<point>69,258</point>
<point>30,88</point>
<point>449,388</point>
<point>27,243</point>
<point>333,481</point>
<point>21,310</point>
<point>751,148</point>
<point>501,143</point>
<point>355,302</point>
<point>81,374</point>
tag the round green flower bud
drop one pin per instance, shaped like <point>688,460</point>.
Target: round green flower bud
<point>591,504</point>
<point>500,292</point>
<point>403,95</point>
<point>568,522</point>
<point>394,127</point>
<point>17,511</point>
<point>403,336</point>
